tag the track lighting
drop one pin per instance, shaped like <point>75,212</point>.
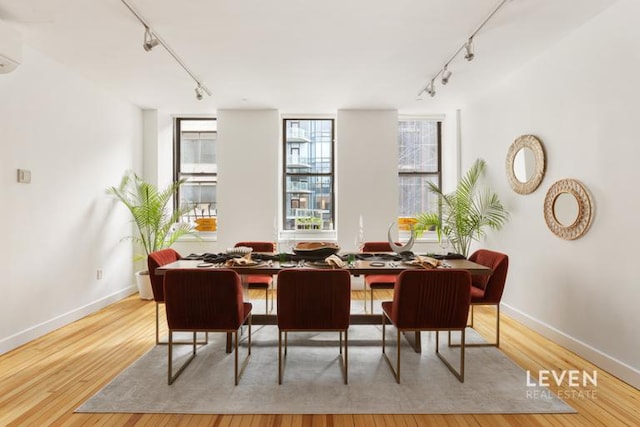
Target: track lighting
<point>150,41</point>
<point>469,55</point>
<point>446,74</point>
<point>431,89</point>
<point>199,92</point>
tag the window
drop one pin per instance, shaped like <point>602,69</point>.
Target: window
<point>308,174</point>
<point>195,162</point>
<point>419,162</point>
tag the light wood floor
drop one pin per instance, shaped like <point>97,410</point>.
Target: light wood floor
<point>42,382</point>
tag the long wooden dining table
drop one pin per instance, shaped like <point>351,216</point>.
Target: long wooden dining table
<point>359,267</point>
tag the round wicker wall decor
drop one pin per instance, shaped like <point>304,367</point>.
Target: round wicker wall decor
<point>584,209</point>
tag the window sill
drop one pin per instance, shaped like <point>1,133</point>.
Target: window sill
<point>199,236</point>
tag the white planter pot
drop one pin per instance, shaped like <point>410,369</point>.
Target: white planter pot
<point>144,285</point>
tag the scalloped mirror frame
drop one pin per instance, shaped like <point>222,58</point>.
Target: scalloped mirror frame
<point>585,209</point>
<point>535,145</point>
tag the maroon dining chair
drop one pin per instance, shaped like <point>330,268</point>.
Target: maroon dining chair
<point>377,281</point>
<point>205,301</point>
<point>428,300</point>
<point>313,300</point>
<point>155,260</point>
<point>260,281</point>
<point>487,290</point>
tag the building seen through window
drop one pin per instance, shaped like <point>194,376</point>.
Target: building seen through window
<point>308,174</point>
<point>419,162</point>
<point>195,162</point>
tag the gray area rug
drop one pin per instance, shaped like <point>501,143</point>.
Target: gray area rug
<point>313,380</point>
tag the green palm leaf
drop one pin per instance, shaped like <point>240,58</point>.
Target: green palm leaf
<point>463,215</point>
<point>158,227</point>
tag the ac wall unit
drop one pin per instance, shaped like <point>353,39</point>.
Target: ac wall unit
<point>10,49</point>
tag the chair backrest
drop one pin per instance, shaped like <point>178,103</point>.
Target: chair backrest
<point>376,247</point>
<point>314,299</point>
<point>258,246</point>
<point>493,285</point>
<point>155,260</point>
<point>431,299</point>
<point>203,299</point>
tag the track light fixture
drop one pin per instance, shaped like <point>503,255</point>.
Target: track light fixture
<point>199,93</point>
<point>469,55</point>
<point>152,39</point>
<point>444,73</point>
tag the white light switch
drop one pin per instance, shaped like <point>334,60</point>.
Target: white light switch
<point>24,176</point>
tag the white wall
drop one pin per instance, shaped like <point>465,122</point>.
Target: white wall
<point>581,99</point>
<point>367,174</point>
<point>57,231</point>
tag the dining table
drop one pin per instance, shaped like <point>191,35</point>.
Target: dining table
<point>356,268</point>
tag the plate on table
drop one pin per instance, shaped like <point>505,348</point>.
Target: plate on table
<point>249,264</point>
<point>205,264</point>
<point>321,264</point>
<point>377,264</point>
<point>287,265</point>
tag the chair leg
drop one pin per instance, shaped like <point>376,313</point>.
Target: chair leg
<point>171,376</point>
<point>396,371</point>
<point>371,300</point>
<point>239,373</point>
<point>345,360</point>
<point>157,324</point>
<point>460,373</point>
<point>279,356</point>
<point>486,344</point>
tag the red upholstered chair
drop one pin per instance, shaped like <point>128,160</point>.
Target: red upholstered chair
<point>377,281</point>
<point>487,290</point>
<point>428,300</point>
<point>313,300</point>
<point>261,281</point>
<point>204,301</point>
<point>155,260</point>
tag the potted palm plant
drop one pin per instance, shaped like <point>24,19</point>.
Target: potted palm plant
<point>464,214</point>
<point>158,227</point>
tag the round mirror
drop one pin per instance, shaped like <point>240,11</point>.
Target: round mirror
<point>568,209</point>
<point>525,164</point>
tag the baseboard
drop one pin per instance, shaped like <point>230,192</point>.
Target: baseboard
<point>23,337</point>
<point>615,367</point>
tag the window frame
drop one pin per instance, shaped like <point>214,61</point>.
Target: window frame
<point>438,173</point>
<point>331,175</point>
<point>177,140</point>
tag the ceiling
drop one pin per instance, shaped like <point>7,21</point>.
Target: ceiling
<point>299,56</point>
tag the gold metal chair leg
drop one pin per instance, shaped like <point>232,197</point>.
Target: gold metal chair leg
<point>486,344</point>
<point>371,300</point>
<point>460,373</point>
<point>171,376</point>
<point>279,357</point>
<point>346,355</point>
<point>396,371</point>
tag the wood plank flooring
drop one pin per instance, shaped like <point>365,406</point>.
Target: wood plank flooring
<point>42,382</point>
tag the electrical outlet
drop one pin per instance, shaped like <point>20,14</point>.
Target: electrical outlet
<point>24,176</point>
<point>99,274</point>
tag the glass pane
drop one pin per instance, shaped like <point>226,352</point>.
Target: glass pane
<point>308,200</point>
<point>309,146</point>
<point>198,152</point>
<point>415,196</point>
<point>418,146</point>
<point>200,195</point>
